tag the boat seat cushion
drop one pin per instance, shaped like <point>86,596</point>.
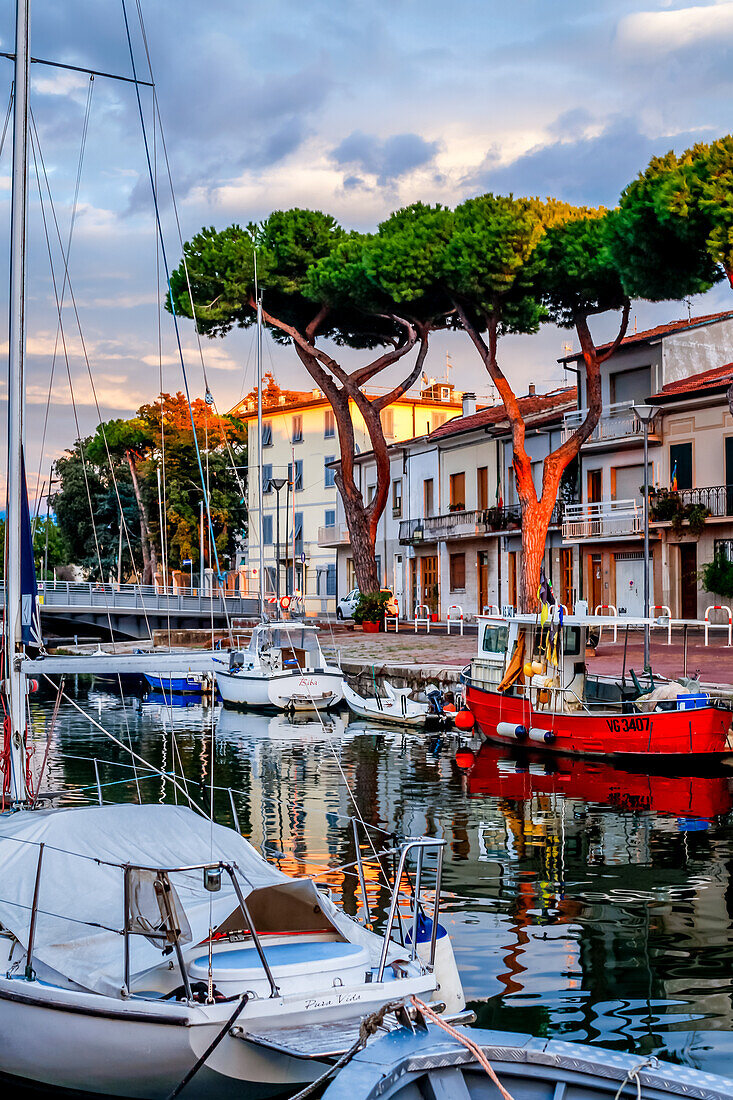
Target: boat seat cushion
<point>297,956</point>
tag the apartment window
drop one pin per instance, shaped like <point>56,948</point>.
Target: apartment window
<point>631,385</point>
<point>331,580</point>
<point>458,572</point>
<point>329,425</point>
<point>298,532</point>
<point>387,418</point>
<point>267,433</point>
<point>427,496</point>
<point>298,474</point>
<point>378,562</point>
<point>270,579</point>
<point>482,487</point>
<point>267,478</point>
<point>627,482</point>
<point>595,486</point>
<point>298,429</point>
<point>680,465</point>
<point>267,530</point>
<point>371,491</point>
<point>397,497</point>
<point>329,477</point>
<point>436,420</point>
<point>350,575</point>
<point>330,517</point>
<point>723,548</point>
<point>457,492</point>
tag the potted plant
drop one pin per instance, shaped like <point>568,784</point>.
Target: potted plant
<point>370,611</point>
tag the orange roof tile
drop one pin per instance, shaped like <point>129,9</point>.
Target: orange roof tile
<point>717,378</point>
<point>538,409</point>
<point>658,331</point>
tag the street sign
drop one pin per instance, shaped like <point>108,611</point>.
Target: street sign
<point>302,558</point>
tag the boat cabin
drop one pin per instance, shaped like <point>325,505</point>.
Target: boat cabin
<point>546,662</point>
<point>281,647</point>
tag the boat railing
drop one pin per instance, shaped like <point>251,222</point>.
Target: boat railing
<point>419,845</point>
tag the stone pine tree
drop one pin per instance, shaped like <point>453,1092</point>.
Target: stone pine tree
<point>324,288</point>
<point>511,264</point>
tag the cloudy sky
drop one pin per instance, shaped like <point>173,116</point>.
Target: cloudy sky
<point>352,107</point>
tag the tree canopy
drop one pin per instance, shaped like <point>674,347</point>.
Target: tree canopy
<point>159,437</point>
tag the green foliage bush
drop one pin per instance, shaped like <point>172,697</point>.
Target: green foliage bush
<point>717,576</point>
<point>371,607</point>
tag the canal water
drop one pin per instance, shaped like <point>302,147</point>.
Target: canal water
<point>584,902</point>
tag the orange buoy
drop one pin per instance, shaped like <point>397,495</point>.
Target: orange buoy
<point>464,720</point>
<point>465,759</point>
<point>449,708</point>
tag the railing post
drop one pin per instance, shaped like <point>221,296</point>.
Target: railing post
<point>360,867</point>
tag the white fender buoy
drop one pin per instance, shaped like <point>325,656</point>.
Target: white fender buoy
<point>544,737</point>
<point>509,729</point>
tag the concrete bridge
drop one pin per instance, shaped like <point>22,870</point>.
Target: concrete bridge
<point>134,611</point>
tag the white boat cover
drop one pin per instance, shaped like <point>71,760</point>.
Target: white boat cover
<point>80,904</point>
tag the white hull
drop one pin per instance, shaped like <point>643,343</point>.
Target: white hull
<point>391,710</point>
<point>299,691</point>
<point>137,1048</point>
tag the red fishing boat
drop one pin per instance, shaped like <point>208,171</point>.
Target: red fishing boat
<point>517,778</point>
<point>529,685</point>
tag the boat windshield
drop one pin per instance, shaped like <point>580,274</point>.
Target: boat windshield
<point>286,636</point>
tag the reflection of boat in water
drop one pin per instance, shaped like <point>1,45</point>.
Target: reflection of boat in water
<point>529,684</point>
<point>177,700</point>
<point>492,772</point>
<point>234,725</point>
<point>194,683</point>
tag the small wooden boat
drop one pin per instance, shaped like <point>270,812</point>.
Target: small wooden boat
<point>412,1064</point>
<point>529,685</point>
<point>395,707</point>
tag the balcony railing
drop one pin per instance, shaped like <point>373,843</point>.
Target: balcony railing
<point>604,519</point>
<point>619,421</point>
<point>718,499</point>
<point>467,524</point>
<point>336,534</point>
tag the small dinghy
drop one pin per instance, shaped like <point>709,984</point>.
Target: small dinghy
<point>395,707</point>
<point>426,1062</point>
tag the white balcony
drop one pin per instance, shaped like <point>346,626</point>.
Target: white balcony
<point>606,519</point>
<point>337,534</point>
<point>617,422</point>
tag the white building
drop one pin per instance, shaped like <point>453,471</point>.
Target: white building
<point>300,445</point>
<point>451,531</point>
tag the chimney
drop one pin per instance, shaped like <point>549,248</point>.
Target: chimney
<point>469,404</point>
<point>532,390</point>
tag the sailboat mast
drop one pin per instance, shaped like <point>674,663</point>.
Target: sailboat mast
<point>16,680</point>
<point>260,487</point>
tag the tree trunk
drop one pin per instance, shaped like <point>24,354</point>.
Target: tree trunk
<point>150,561</point>
<point>362,542</point>
<point>537,513</point>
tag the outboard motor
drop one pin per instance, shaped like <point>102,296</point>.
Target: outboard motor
<point>434,697</point>
<point>236,660</point>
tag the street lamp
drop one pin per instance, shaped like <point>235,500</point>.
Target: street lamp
<point>189,561</point>
<point>646,414</point>
<point>277,484</point>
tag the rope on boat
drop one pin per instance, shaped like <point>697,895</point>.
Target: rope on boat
<point>368,1027</point>
<point>466,1042</point>
<point>210,1048</point>
<point>632,1077</point>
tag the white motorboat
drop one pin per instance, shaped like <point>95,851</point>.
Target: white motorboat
<point>137,936</point>
<point>395,707</point>
<point>283,667</point>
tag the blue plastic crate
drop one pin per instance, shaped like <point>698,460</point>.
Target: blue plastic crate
<point>693,701</point>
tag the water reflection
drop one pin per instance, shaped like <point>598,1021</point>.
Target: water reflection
<point>584,901</point>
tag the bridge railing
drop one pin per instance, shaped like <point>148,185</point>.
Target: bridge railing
<point>142,596</point>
